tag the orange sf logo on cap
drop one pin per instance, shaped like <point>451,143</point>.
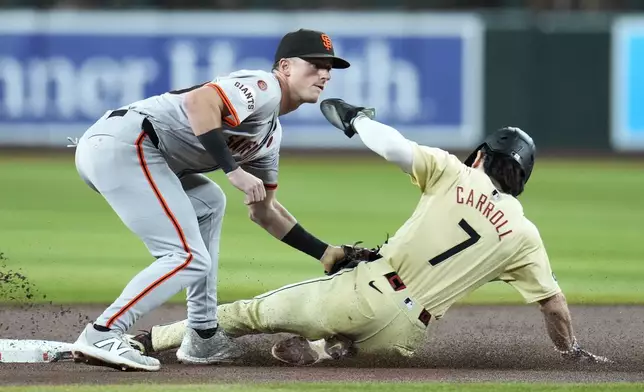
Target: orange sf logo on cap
<point>326,41</point>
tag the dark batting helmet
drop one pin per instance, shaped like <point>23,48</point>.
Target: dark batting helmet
<point>511,142</point>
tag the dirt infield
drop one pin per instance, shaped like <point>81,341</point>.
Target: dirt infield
<point>503,343</point>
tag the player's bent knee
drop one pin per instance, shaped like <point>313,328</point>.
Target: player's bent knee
<point>206,196</point>
<point>199,263</point>
<point>202,263</point>
<point>216,198</point>
<point>209,203</point>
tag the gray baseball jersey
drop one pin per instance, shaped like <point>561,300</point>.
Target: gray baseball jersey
<point>252,130</point>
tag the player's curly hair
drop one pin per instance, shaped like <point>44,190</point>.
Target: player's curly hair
<point>505,171</point>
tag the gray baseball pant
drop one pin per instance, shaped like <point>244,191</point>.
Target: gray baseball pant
<point>178,220</point>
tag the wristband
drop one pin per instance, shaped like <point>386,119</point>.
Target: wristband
<point>214,142</point>
<point>303,241</point>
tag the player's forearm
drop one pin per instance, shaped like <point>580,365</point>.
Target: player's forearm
<point>385,141</point>
<point>558,321</point>
<point>287,217</point>
<point>275,219</point>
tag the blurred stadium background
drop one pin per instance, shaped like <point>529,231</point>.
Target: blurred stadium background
<point>443,72</point>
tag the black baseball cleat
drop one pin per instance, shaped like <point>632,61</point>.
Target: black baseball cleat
<point>340,114</point>
<point>141,342</point>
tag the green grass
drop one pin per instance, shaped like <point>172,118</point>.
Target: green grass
<point>71,245</point>
<point>348,387</point>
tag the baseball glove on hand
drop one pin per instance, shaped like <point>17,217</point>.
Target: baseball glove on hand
<point>353,255</point>
<point>340,114</point>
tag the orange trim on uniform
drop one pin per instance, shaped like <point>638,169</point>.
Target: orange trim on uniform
<point>229,123</point>
<point>175,223</point>
<point>229,106</point>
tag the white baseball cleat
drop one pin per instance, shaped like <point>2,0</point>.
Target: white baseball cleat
<point>110,349</point>
<point>299,351</point>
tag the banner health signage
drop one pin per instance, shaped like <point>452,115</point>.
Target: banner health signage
<point>60,71</point>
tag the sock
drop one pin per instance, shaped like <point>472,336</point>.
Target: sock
<point>206,333</point>
<point>101,328</point>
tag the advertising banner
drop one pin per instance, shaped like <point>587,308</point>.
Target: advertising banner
<point>60,71</point>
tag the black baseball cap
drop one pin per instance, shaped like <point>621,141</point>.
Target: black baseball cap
<point>305,44</point>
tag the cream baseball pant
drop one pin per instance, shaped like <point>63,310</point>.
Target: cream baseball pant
<point>368,304</point>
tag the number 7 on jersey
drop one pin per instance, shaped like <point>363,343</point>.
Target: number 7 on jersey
<point>473,239</point>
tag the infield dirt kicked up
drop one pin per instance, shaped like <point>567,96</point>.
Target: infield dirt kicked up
<point>472,343</point>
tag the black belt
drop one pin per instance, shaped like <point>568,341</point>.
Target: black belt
<point>397,284</point>
<point>147,126</point>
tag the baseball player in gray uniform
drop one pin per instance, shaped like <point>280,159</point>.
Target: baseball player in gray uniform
<point>146,160</point>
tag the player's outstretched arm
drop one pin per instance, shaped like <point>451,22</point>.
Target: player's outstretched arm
<point>385,141</point>
<point>272,216</point>
<point>559,326</point>
<point>380,138</point>
<point>275,218</point>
